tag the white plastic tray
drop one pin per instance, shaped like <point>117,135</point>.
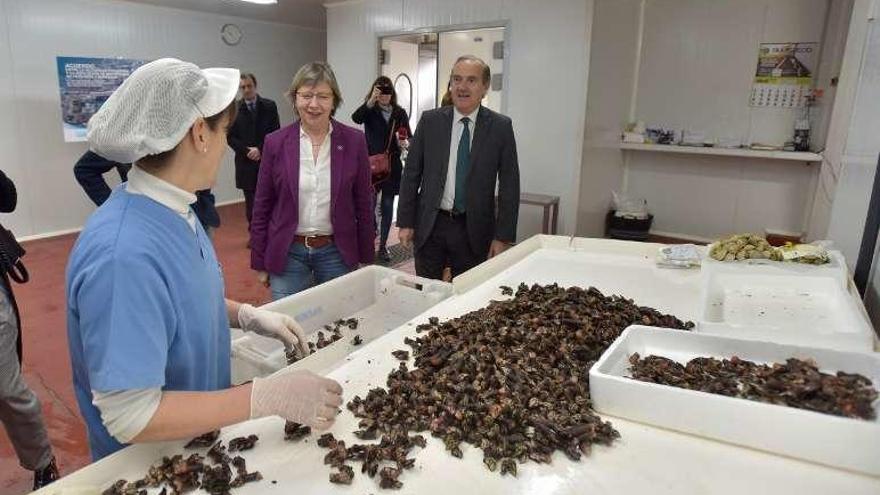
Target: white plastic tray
<point>831,440</point>
<point>835,269</point>
<point>792,309</point>
<point>380,298</point>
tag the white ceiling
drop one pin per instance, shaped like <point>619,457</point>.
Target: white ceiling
<point>307,13</point>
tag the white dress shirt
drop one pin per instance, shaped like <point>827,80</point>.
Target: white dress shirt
<point>448,199</point>
<point>314,187</point>
<point>126,413</point>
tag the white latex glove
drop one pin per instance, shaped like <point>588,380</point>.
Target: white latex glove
<point>275,325</point>
<point>299,396</point>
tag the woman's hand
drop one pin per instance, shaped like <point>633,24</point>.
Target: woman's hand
<point>275,325</point>
<point>299,396</point>
<point>263,278</point>
<point>374,96</point>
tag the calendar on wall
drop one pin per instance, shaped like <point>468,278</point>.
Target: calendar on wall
<point>784,76</point>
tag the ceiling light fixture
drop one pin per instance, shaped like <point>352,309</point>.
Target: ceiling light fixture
<point>261,2</point>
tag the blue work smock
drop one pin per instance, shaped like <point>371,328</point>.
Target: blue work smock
<point>145,307</point>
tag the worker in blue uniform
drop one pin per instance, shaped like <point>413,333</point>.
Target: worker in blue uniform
<point>148,321</point>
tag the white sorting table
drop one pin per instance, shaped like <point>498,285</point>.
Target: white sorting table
<point>644,460</point>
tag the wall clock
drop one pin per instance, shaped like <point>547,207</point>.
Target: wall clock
<point>230,34</point>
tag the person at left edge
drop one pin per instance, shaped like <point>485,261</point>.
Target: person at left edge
<point>20,410</point>
<point>147,318</point>
<point>89,171</point>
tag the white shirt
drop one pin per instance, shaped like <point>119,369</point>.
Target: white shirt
<point>162,192</point>
<point>126,413</point>
<point>314,187</point>
<point>448,199</point>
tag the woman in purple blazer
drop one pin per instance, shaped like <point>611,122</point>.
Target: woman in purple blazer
<point>312,217</point>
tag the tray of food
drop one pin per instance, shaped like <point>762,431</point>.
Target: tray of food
<point>338,317</point>
<point>751,253</point>
<point>814,404</point>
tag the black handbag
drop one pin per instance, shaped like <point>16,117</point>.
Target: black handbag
<point>10,257</point>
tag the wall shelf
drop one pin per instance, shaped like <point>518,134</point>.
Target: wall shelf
<point>801,156</point>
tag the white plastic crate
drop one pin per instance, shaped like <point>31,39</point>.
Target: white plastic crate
<point>831,440</point>
<point>381,299</point>
<point>791,309</point>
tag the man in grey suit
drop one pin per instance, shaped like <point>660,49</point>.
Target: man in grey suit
<point>447,207</point>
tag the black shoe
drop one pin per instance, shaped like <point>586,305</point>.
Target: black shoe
<point>48,474</point>
<point>383,255</point>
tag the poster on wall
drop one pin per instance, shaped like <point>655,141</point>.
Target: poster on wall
<point>784,76</point>
<point>85,84</point>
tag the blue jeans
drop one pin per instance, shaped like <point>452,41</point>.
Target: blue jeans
<point>307,267</point>
<point>386,211</point>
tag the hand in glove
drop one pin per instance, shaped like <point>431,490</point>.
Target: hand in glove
<point>299,396</point>
<point>275,325</point>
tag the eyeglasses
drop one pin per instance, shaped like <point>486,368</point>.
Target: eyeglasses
<point>323,98</point>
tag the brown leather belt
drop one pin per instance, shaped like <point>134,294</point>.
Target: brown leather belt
<point>313,241</point>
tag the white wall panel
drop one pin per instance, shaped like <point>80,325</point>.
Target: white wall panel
<point>40,31</point>
<point>763,184</point>
<point>612,59</point>
<point>353,45</point>
<point>859,163</point>
<point>549,46</point>
<point>11,165</point>
<point>687,194</point>
<point>698,61</point>
<point>548,43</point>
<point>872,65</point>
<point>426,13</point>
<point>697,64</point>
<point>404,58</point>
<point>705,197</point>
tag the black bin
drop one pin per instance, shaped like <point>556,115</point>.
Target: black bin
<point>629,229</point>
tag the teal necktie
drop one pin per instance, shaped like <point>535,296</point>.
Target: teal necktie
<point>462,164</point>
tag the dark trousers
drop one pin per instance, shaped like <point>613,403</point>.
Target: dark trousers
<point>447,246</point>
<point>248,204</point>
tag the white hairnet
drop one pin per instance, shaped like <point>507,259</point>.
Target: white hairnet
<point>156,105</point>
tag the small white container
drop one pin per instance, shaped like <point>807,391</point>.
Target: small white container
<point>380,298</point>
<point>791,309</point>
<point>840,442</point>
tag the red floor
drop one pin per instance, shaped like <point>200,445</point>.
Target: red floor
<point>46,364</point>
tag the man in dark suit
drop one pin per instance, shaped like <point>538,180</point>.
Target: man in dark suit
<point>257,116</point>
<point>447,207</point>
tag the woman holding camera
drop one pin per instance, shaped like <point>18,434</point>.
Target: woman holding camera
<point>386,126</point>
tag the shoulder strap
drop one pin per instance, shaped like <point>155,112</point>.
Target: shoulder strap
<point>391,123</point>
